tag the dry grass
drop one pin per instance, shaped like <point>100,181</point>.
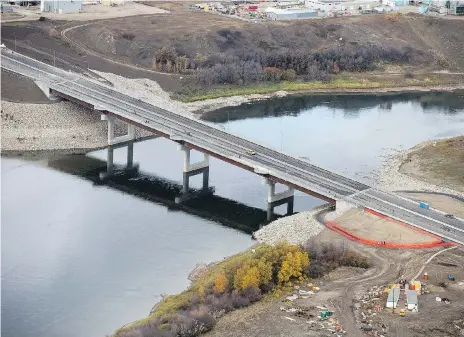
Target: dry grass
<point>442,160</point>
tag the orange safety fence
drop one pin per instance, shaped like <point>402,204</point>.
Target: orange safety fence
<point>353,237</point>
<point>383,216</point>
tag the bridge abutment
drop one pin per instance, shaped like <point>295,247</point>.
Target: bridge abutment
<point>47,91</point>
<point>276,199</point>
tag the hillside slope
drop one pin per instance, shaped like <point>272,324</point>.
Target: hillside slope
<point>437,42</point>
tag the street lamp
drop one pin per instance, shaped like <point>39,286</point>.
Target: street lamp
<point>15,41</point>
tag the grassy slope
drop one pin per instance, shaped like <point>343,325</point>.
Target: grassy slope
<point>442,162</point>
<point>196,33</point>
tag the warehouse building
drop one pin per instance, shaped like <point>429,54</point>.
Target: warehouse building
<point>456,7</point>
<point>290,14</point>
<point>61,6</point>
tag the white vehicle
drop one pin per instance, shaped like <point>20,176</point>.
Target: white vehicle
<point>3,45</point>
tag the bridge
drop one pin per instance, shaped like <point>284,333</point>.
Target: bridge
<point>274,166</point>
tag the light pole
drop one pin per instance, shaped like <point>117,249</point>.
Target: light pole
<point>15,41</point>
<point>86,61</point>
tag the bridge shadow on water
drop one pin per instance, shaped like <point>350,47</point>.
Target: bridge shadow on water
<point>202,203</point>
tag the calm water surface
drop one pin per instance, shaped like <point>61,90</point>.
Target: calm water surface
<point>80,259</point>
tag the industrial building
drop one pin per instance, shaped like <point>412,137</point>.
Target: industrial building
<point>61,6</point>
<point>328,5</point>
<point>456,7</point>
<point>290,14</point>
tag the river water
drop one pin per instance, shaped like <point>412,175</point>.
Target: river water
<point>81,259</point>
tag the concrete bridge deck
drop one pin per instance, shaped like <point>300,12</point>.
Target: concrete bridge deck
<point>194,134</point>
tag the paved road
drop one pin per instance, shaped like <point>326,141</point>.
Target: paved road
<point>298,172</point>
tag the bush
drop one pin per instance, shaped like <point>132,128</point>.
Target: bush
<point>352,259</point>
<point>239,301</point>
<point>253,294</point>
<point>289,75</point>
<point>326,256</point>
<point>128,36</point>
<point>246,276</point>
<point>43,18</point>
<point>293,266</point>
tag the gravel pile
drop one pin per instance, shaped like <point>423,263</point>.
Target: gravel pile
<point>150,91</point>
<point>390,178</point>
<point>53,127</point>
<point>295,229</point>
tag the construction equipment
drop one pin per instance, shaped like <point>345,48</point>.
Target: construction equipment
<point>451,277</point>
<point>402,312</point>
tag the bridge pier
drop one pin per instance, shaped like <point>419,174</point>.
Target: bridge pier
<point>276,199</point>
<point>112,140</point>
<point>130,167</point>
<point>47,91</point>
<point>191,170</point>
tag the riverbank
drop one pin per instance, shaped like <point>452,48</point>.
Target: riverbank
<point>195,105</point>
<point>56,128</point>
<point>406,170</point>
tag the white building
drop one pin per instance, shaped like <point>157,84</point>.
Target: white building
<point>61,6</point>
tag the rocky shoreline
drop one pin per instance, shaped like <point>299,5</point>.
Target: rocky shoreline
<point>56,128</point>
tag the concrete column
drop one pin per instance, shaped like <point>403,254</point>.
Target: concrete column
<point>185,183</point>
<point>109,164</point>
<point>109,161</point>
<point>131,131</point>
<point>110,129</point>
<point>276,199</point>
<point>270,212</point>
<point>290,206</point>
<point>112,140</point>
<point>205,179</point>
<point>130,155</point>
<point>186,158</point>
<point>188,166</point>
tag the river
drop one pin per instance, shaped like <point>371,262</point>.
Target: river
<point>81,259</point>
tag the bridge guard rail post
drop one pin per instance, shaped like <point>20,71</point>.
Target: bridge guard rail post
<point>276,199</point>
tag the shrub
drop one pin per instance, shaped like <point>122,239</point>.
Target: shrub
<point>253,294</point>
<point>220,283</point>
<point>352,259</point>
<point>272,74</point>
<point>239,301</point>
<point>289,75</point>
<point>42,18</point>
<point>128,36</point>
